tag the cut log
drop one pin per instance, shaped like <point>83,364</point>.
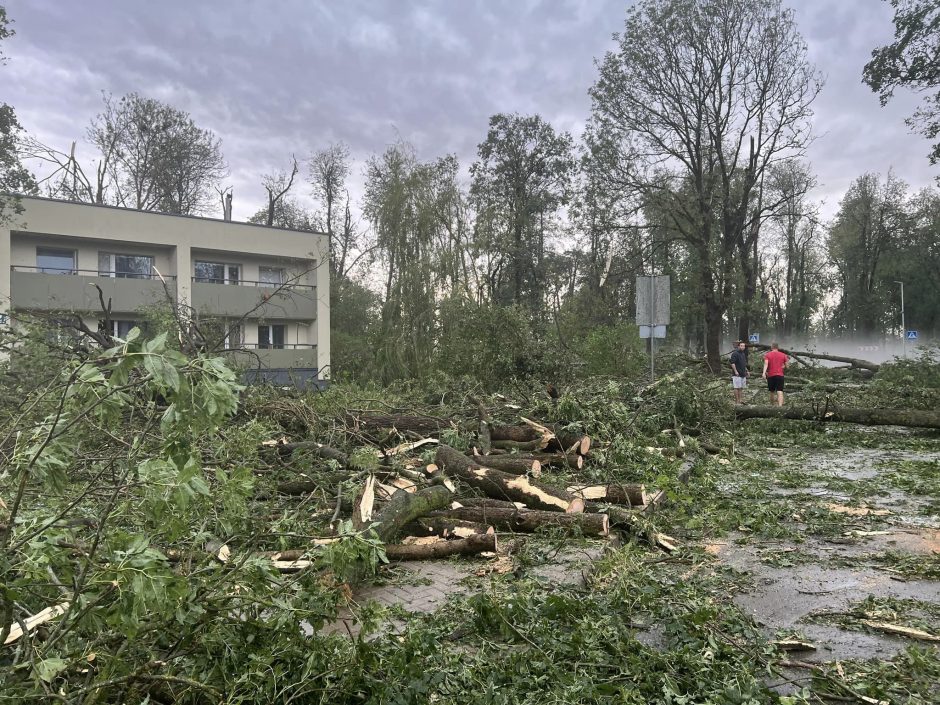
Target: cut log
<point>532,437</point>
<point>514,465</point>
<point>630,494</point>
<point>469,546</point>
<point>854,362</point>
<point>445,528</point>
<point>529,520</point>
<point>405,507</point>
<point>868,417</point>
<point>523,446</point>
<point>486,502</point>
<point>501,485</point>
<point>627,521</point>
<point>560,460</point>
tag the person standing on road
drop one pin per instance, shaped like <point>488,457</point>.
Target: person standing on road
<point>774,364</point>
<point>739,371</point>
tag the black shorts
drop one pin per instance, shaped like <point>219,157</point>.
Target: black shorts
<point>775,384</point>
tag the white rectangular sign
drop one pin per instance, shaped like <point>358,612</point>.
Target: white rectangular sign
<point>652,302</point>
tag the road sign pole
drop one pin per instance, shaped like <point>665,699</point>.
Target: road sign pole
<point>652,329</point>
<point>903,323</point>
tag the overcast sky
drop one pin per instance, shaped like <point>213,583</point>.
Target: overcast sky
<point>275,78</point>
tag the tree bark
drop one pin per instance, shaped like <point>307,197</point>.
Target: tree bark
<point>513,464</point>
<point>405,507</point>
<point>445,528</point>
<point>529,438</point>
<point>868,417</point>
<point>529,520</point>
<point>469,546</point>
<point>502,485</point>
<point>562,460</point>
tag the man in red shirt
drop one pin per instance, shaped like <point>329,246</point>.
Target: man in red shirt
<point>774,364</point>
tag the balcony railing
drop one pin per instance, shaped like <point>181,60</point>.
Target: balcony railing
<point>72,271</point>
<point>49,289</point>
<point>249,282</point>
<point>283,346</point>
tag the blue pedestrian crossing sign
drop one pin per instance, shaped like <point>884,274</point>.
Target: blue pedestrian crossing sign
<point>912,335</point>
<point>753,338</point>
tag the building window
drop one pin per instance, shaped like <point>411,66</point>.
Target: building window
<point>217,273</point>
<point>271,336</point>
<point>125,266</point>
<point>220,334</point>
<point>53,261</point>
<point>271,275</point>
<point>117,329</point>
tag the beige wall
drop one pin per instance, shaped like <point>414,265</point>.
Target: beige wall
<point>176,242</point>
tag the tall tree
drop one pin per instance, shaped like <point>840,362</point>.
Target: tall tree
<point>794,264</point>
<point>154,157</point>
<point>912,61</point>
<point>521,178</point>
<point>867,229</point>
<point>329,169</point>
<point>406,202</point>
<point>703,96</point>
<point>14,177</point>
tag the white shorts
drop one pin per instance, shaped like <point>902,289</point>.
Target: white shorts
<point>739,382</point>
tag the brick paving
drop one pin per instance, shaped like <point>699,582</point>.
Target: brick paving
<point>436,581</point>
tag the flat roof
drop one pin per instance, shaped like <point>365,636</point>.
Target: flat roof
<point>169,215</point>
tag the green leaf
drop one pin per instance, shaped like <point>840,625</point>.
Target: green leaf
<point>49,668</point>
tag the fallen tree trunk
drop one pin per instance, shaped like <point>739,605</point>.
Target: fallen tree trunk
<point>502,485</point>
<point>513,464</point>
<point>531,437</point>
<point>529,520</point>
<point>630,494</point>
<point>405,507</point>
<point>422,425</point>
<point>854,362</point>
<point>487,503</point>
<point>868,417</point>
<point>559,460</point>
<point>445,528</point>
<point>469,546</point>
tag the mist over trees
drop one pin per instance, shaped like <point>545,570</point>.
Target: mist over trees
<point>521,260</point>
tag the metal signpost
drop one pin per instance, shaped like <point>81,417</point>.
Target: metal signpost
<point>904,331</point>
<point>652,312</point>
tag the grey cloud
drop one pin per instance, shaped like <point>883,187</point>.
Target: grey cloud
<point>273,79</point>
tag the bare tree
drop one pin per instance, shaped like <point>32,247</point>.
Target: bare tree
<point>153,156</point>
<point>329,169</point>
<point>277,185</point>
<point>701,98</point>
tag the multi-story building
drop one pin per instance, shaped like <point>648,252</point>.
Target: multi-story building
<point>268,288</point>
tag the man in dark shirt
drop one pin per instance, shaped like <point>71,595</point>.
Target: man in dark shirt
<point>739,372</point>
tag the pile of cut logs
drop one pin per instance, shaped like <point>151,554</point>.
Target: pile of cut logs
<point>461,502</point>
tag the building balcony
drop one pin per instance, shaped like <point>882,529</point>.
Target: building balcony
<point>255,300</point>
<point>33,289</point>
<point>290,356</point>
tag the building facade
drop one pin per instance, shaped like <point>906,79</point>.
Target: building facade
<point>267,290</point>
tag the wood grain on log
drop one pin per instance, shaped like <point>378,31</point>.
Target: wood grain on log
<point>501,485</point>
